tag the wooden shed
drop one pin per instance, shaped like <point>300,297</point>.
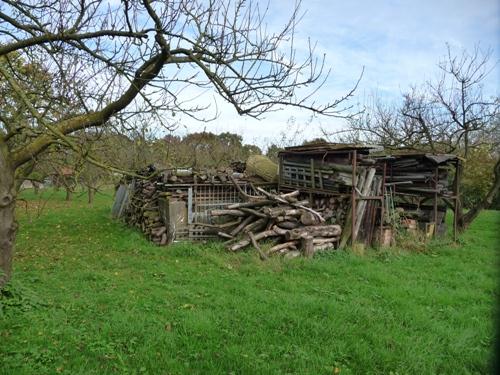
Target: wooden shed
<point>343,181</point>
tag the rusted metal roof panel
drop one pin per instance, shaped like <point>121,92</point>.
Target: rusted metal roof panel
<point>326,147</point>
<point>434,158</point>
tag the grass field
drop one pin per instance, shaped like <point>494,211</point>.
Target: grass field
<point>91,296</point>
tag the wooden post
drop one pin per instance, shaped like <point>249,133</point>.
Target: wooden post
<point>456,193</point>
<point>307,246</point>
<point>353,196</point>
<point>281,174</point>
<point>436,179</point>
<point>313,177</point>
<point>382,202</point>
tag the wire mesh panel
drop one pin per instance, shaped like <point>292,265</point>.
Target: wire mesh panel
<point>200,200</point>
<point>211,197</point>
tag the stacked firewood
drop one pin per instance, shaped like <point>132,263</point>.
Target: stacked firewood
<point>334,209</point>
<point>143,211</point>
<point>205,176</point>
<point>417,176</point>
<point>294,226</point>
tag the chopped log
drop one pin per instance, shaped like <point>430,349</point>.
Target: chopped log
<point>242,225</point>
<point>317,214</point>
<point>279,198</point>
<point>271,196</point>
<point>288,224</point>
<point>244,243</point>
<point>279,219</point>
<point>315,231</point>
<point>225,235</point>
<point>306,244</point>
<point>183,172</point>
<point>322,241</point>
<point>270,224</point>
<point>307,218</point>
<point>256,225</point>
<point>220,226</point>
<point>163,240</point>
<point>285,245</point>
<point>288,196</point>
<point>257,247</point>
<point>254,212</point>
<point>159,230</point>
<point>281,211</point>
<point>280,231</point>
<point>228,212</point>
<point>249,204</point>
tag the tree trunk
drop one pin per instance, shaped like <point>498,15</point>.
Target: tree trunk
<point>8,225</point>
<point>69,194</point>
<point>90,194</point>
<point>466,219</point>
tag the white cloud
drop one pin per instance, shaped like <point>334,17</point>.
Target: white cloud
<point>398,42</point>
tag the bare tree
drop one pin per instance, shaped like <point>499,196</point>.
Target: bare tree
<point>450,115</point>
<point>112,60</point>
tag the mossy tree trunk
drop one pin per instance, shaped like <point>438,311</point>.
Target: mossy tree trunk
<point>90,194</point>
<point>8,224</point>
<point>466,219</point>
<point>69,194</point>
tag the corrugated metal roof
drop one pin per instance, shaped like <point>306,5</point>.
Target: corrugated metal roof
<point>435,158</point>
<point>325,147</point>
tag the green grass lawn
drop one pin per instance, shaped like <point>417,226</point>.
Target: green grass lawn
<point>94,297</point>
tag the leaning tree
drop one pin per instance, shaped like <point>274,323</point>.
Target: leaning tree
<point>112,60</point>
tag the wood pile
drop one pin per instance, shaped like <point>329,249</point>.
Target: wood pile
<point>417,175</point>
<point>143,211</point>
<point>291,223</point>
<point>206,176</point>
<point>334,209</point>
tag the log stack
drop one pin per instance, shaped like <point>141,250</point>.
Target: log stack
<point>334,209</point>
<point>205,176</point>
<point>143,211</point>
<point>291,223</point>
<point>418,175</point>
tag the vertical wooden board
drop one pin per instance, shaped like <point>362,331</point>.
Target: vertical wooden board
<point>121,201</point>
<point>177,218</point>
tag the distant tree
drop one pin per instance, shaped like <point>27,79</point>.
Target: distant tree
<point>206,149</point>
<point>314,141</point>
<point>272,152</point>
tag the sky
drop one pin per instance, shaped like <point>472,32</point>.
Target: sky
<point>398,43</point>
